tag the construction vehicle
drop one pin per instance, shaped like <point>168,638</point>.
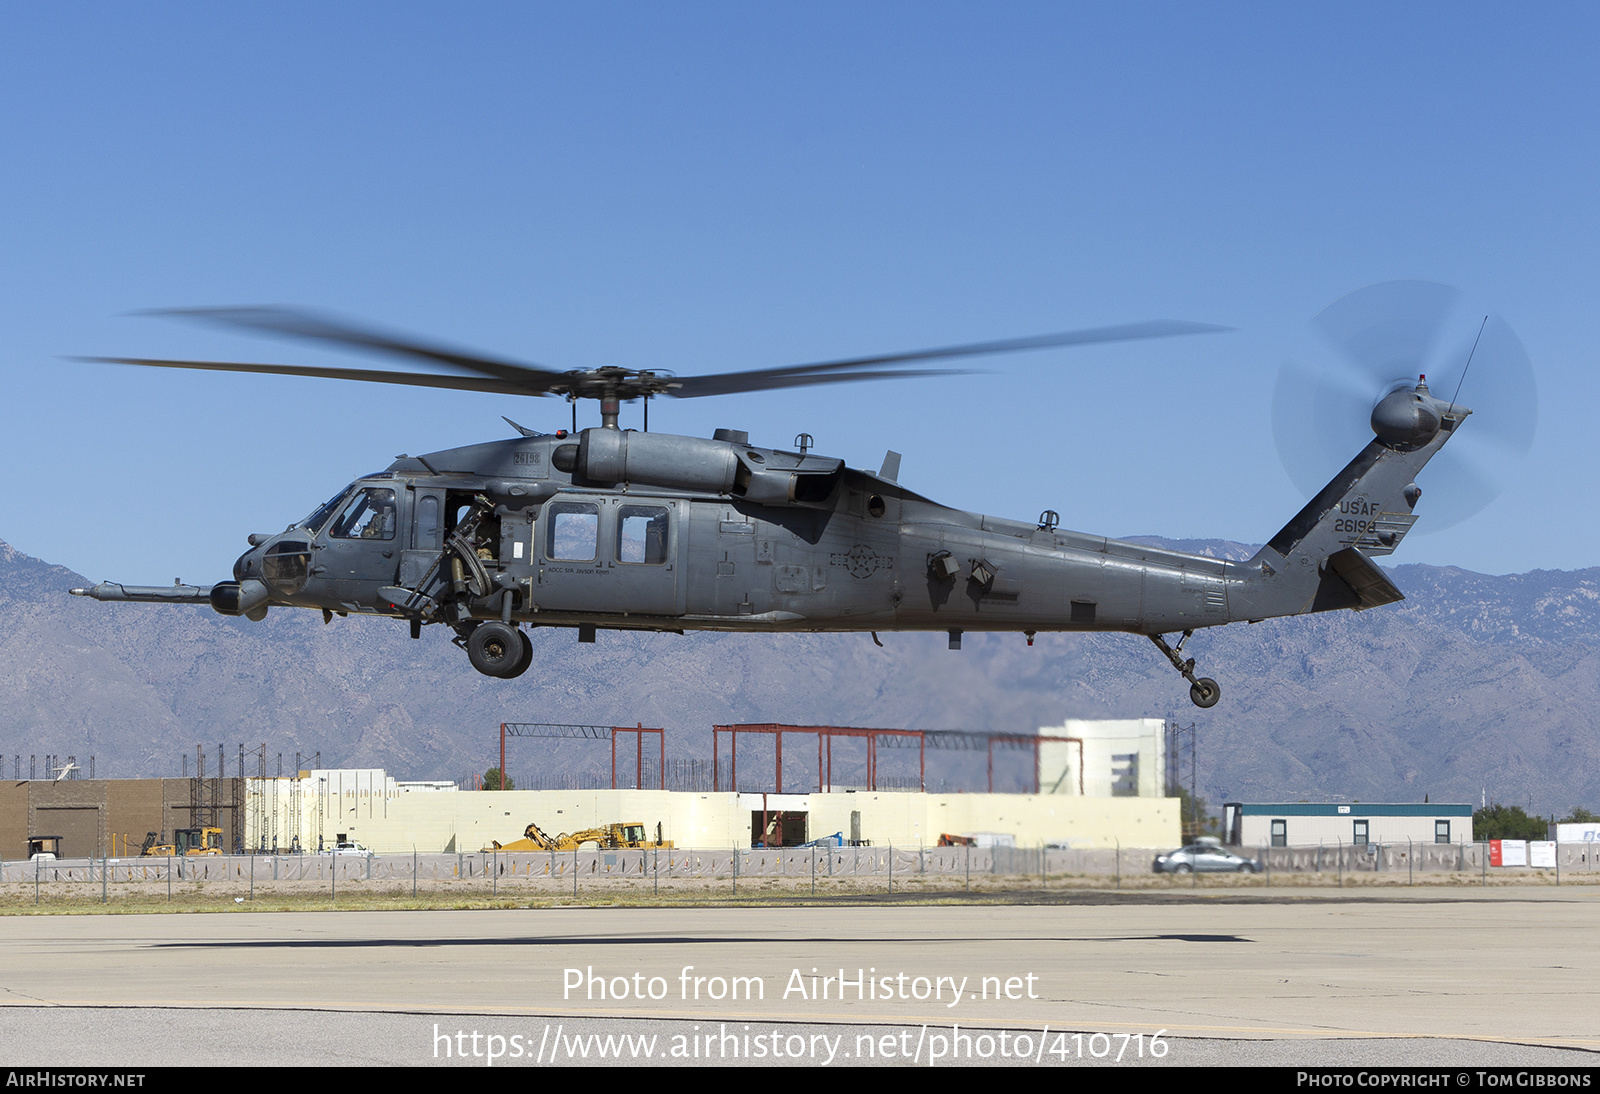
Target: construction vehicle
<point>185,841</point>
<point>44,848</point>
<point>629,835</point>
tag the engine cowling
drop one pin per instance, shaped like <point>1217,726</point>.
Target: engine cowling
<point>705,466</point>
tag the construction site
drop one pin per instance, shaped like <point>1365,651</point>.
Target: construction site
<point>1082,785</point>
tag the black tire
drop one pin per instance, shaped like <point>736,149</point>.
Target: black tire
<point>1247,868</point>
<point>495,649</point>
<point>1183,868</point>
<point>1205,692</point>
<point>525,660</point>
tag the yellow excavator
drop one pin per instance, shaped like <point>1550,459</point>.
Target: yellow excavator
<point>629,835</point>
<point>185,841</point>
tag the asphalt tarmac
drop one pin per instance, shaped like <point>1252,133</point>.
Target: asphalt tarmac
<point>1451,978</point>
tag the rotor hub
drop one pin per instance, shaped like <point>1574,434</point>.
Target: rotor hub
<point>1407,417</point>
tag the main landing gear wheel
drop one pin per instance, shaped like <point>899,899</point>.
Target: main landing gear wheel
<point>525,660</point>
<point>498,649</point>
<point>1205,692</point>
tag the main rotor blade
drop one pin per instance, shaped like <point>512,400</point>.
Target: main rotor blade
<point>726,383</point>
<point>475,383</point>
<point>696,387</point>
<point>307,326</point>
<point>511,378</point>
<point>415,379</point>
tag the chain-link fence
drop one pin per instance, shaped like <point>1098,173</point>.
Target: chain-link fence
<point>815,868</point>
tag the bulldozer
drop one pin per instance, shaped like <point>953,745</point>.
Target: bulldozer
<point>185,841</point>
<point>629,835</point>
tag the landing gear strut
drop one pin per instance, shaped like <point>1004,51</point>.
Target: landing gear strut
<point>1203,691</point>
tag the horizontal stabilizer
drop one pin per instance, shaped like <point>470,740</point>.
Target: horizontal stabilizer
<point>1370,584</point>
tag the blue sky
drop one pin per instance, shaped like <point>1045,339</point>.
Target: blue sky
<point>708,187</point>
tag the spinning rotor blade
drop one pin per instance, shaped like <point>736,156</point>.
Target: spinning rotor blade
<point>1385,336</point>
<point>292,323</point>
<point>829,371</point>
<point>414,379</point>
<point>511,378</point>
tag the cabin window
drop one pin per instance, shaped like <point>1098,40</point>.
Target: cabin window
<point>574,531</point>
<point>1441,831</point>
<point>1280,833</point>
<point>1359,835</point>
<point>427,521</point>
<point>642,534</point>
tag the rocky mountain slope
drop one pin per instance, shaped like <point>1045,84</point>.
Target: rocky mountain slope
<point>1474,683</point>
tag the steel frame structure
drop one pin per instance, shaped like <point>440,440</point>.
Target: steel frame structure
<point>923,739</point>
<point>592,733</point>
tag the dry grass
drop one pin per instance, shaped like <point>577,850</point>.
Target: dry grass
<point>57,898</point>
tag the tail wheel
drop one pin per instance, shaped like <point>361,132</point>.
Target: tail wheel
<point>1205,692</point>
<point>496,649</point>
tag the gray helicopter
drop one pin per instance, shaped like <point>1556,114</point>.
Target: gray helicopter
<point>606,528</point>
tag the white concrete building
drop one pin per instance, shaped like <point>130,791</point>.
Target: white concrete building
<point>325,807</point>
<point>1107,758</point>
<point>1302,824</point>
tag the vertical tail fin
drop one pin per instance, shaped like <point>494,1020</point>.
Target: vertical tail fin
<point>1321,560</point>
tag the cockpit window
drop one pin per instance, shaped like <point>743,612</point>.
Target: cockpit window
<point>316,520</point>
<point>368,515</point>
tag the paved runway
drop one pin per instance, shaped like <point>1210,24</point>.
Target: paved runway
<point>1453,977</point>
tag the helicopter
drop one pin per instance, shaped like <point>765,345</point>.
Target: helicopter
<point>605,528</point>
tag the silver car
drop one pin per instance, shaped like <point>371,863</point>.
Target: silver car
<point>1206,856</point>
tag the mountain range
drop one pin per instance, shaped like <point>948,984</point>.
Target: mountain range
<point>1474,686</point>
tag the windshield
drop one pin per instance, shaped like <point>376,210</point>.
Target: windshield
<point>316,520</point>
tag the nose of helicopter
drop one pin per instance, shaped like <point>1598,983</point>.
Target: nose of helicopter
<point>249,564</point>
<point>282,561</point>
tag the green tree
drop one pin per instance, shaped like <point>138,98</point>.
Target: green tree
<point>1506,822</point>
<point>491,780</point>
<point>1580,815</point>
<point>1193,818</point>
